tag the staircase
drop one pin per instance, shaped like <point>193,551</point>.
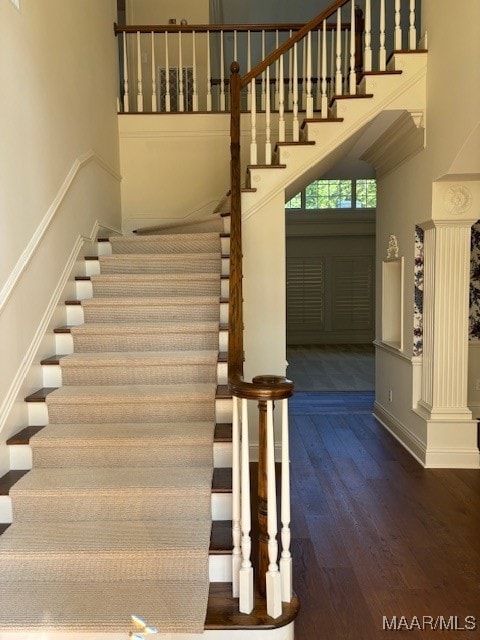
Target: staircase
<point>124,493</point>
<point>127,507</point>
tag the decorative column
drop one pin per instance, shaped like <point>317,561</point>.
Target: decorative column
<point>451,432</point>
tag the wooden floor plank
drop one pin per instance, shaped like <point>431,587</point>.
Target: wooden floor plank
<point>374,533</point>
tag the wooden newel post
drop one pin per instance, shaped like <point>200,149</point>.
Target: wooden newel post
<point>235,358</point>
<point>262,499</point>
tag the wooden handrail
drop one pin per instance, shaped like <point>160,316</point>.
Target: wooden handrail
<point>288,44</point>
<point>226,28</point>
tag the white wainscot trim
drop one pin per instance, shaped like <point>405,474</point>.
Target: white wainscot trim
<point>400,432</point>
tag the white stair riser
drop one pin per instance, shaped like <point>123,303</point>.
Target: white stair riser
<point>75,314</point>
<point>92,267</point>
<point>84,289</point>
<point>221,508</point>
<point>220,568</point>
<point>52,374</point>
<point>21,456</point>
<point>38,412</point>
<point>64,342</point>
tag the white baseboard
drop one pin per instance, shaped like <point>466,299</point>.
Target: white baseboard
<point>401,433</point>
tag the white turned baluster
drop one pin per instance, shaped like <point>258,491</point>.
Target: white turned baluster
<point>303,103</point>
<point>345,62</point>
<point>268,143</point>
<point>167,77</point>
<point>154,77</point>
<point>296,128</point>
<point>290,77</point>
<point>309,105</point>
<point>332,63</point>
<point>324,104</point>
<point>235,47</point>
<point>194,75</point>
<point>281,104</point>
<point>253,127</point>
<point>412,32</point>
<point>263,92</point>
<point>236,508</point>
<point>249,66</point>
<point>353,75</point>
<point>181,105</point>
<point>286,556</point>
<point>338,66</point>
<point>246,570</point>
<point>367,56</point>
<point>222,75</point>
<point>126,98</point>
<point>209,75</point>
<point>139,76</point>
<point>277,79</point>
<point>398,29</point>
<point>382,61</point>
<point>319,70</point>
<point>273,582</point>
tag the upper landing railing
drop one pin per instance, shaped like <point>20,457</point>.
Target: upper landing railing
<point>186,68</point>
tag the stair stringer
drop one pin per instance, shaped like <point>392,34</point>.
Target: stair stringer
<point>406,91</point>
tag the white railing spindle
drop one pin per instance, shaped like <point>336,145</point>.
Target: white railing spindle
<point>246,571</point>
<point>290,76</point>
<point>303,103</point>
<point>222,75</point>
<point>273,582</point>
<point>367,55</point>
<point>295,124</point>
<point>382,60</point>
<point>181,103</point>
<point>319,70</point>
<point>398,29</point>
<point>194,75</point>
<point>249,66</point>
<point>253,127</point>
<point>277,79</point>
<point>281,104</point>
<point>263,89</point>
<point>126,97</point>
<point>268,143</point>
<point>332,64</point>
<point>353,75</point>
<point>286,556</point>
<point>324,105</point>
<point>209,75</point>
<point>236,504</point>
<point>309,105</point>
<point>345,62</point>
<point>154,76</point>
<point>338,67</point>
<point>167,77</point>
<point>139,76</point>
<point>412,31</point>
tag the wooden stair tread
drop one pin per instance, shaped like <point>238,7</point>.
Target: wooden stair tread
<point>221,537</point>
<point>266,166</point>
<point>223,433</point>
<point>9,479</point>
<point>362,96</point>
<point>222,611</point>
<point>222,480</point>
<point>68,328</point>
<point>315,120</point>
<point>55,359</point>
<point>302,143</point>
<point>23,436</point>
<point>40,395</point>
<point>223,392</point>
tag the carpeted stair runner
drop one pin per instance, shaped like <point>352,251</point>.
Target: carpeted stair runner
<point>114,519</point>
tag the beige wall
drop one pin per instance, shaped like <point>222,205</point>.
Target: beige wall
<point>58,160</point>
<point>405,194</point>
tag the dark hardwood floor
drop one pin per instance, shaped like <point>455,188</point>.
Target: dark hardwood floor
<point>375,534</point>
